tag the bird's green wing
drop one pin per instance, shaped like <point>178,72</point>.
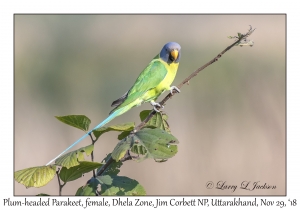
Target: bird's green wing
<point>149,78</point>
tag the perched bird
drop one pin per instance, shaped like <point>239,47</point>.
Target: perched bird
<point>151,83</point>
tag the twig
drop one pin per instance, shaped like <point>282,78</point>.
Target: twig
<point>103,168</point>
<point>92,154</point>
<point>239,38</point>
<point>59,183</point>
<point>110,160</point>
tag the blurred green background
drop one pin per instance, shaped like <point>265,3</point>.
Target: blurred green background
<point>230,120</point>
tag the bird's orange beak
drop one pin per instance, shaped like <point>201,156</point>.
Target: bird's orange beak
<point>174,54</point>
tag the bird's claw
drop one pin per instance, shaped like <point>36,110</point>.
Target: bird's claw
<point>174,88</point>
<point>155,109</point>
<point>154,104</point>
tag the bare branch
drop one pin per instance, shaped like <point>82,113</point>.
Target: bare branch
<point>186,80</point>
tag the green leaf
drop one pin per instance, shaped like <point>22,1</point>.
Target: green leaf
<point>120,185</point>
<point>80,192</point>
<point>159,120</point>
<point>90,189</point>
<point>78,121</point>
<point>105,179</point>
<point>152,143</point>
<point>111,185</point>
<point>144,114</point>
<point>157,143</point>
<point>42,194</point>
<point>121,127</point>
<point>113,168</point>
<point>123,135</point>
<point>71,159</point>
<point>71,174</point>
<point>121,148</point>
<point>139,149</point>
<point>35,176</point>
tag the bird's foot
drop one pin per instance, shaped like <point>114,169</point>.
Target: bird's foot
<point>174,88</point>
<point>154,104</point>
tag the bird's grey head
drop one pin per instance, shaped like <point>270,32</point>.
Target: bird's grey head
<point>171,52</point>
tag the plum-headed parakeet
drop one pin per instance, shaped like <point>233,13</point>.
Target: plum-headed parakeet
<point>151,83</point>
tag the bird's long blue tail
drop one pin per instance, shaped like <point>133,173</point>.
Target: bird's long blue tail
<point>107,120</point>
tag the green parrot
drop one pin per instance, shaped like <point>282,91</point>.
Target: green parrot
<point>156,78</point>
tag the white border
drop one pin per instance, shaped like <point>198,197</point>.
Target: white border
<point>6,71</point>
